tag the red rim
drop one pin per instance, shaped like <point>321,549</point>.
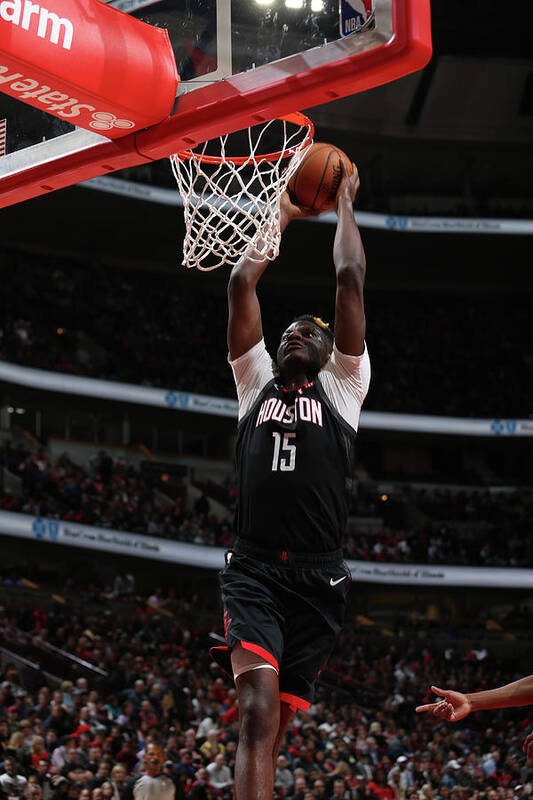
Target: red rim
<point>296,117</point>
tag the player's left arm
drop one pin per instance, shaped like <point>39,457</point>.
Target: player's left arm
<point>350,267</point>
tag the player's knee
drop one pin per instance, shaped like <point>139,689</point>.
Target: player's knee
<point>259,717</point>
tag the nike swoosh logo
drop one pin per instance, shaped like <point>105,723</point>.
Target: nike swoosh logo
<point>334,583</point>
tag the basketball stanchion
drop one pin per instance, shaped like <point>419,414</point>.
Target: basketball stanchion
<point>231,202</point>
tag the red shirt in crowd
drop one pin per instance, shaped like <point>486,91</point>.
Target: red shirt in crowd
<point>382,792</point>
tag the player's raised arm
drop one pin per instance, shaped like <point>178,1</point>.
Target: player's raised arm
<point>244,320</point>
<point>350,267</point>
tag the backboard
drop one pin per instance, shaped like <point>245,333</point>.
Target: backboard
<point>240,62</point>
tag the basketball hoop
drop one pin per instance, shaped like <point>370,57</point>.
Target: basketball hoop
<point>231,203</point>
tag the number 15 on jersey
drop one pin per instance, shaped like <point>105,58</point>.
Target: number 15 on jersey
<point>284,458</point>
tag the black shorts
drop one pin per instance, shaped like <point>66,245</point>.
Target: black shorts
<point>287,608</point>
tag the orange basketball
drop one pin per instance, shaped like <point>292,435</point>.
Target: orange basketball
<point>316,181</point>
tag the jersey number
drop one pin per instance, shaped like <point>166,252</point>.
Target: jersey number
<point>284,458</point>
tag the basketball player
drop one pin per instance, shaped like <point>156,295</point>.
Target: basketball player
<point>285,583</point>
<point>456,705</point>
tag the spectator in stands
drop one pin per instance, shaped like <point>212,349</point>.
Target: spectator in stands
<point>99,343</point>
<point>368,671</point>
<point>402,768</point>
<point>136,695</point>
<point>12,784</point>
<point>219,774</point>
<point>118,781</point>
<point>33,791</point>
<point>284,776</point>
<point>15,746</point>
<point>57,721</point>
<point>185,766</point>
<point>73,770</point>
<point>44,778</point>
<point>380,788</point>
<point>42,707</point>
<point>101,775</point>
<point>37,751</point>
<point>340,792</point>
<point>127,755</point>
<point>211,746</point>
<point>460,527</point>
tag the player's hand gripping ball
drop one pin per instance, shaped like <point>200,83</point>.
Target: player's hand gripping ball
<point>315,183</point>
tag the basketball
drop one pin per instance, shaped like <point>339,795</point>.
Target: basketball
<point>317,179</point>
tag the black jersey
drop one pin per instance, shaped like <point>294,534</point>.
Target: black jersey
<point>294,457</point>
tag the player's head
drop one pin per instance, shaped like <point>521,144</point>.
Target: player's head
<point>305,346</point>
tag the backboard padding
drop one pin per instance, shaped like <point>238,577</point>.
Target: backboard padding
<point>399,44</point>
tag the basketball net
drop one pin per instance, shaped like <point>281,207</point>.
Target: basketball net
<point>232,203</point>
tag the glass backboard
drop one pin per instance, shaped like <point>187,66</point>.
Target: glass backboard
<point>211,40</point>
<point>239,56</point>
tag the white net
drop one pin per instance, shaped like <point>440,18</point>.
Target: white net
<point>231,204</point>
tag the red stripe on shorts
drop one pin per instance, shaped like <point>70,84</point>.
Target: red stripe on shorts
<point>294,701</point>
<point>260,651</point>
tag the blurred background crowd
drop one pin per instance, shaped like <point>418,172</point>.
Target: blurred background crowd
<point>431,525</point>
<point>147,677</point>
<point>141,327</point>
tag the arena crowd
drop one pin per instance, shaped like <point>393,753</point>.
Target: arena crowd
<point>87,739</point>
<point>82,324</point>
<point>427,526</point>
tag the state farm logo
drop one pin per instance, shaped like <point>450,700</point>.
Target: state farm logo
<point>59,103</point>
<point>31,15</point>
<point>103,121</point>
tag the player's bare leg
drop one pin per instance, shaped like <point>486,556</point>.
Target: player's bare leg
<point>285,716</point>
<point>259,712</point>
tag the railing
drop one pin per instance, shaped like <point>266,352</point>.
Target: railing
<point>53,661</point>
<point>31,674</point>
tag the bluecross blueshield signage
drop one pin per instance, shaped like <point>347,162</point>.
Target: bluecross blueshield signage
<point>59,532</point>
<point>176,400</point>
<point>351,12</point>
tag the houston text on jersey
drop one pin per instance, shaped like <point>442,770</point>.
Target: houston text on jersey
<point>307,409</point>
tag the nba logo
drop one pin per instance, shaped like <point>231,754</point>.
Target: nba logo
<point>353,14</point>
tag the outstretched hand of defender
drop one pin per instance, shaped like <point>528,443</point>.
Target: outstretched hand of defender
<point>453,707</point>
<point>349,185</point>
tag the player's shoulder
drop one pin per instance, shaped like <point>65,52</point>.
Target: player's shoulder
<point>256,352</point>
<point>343,365</point>
<point>346,358</point>
<point>345,380</point>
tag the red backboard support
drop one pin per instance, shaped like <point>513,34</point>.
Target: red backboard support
<point>298,82</point>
